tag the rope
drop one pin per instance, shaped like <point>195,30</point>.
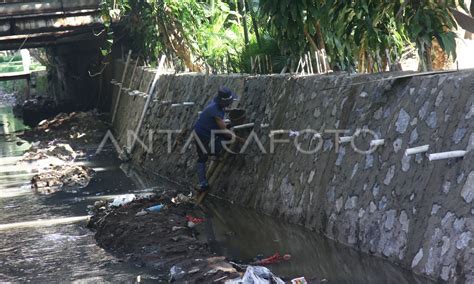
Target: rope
<point>21,47</point>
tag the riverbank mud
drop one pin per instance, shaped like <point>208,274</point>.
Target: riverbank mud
<point>165,240</point>
<point>56,146</point>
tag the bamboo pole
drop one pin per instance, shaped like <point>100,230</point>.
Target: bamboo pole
<point>133,74</point>
<point>325,61</point>
<point>310,63</point>
<point>149,98</point>
<point>259,64</point>
<point>121,85</point>
<point>318,66</point>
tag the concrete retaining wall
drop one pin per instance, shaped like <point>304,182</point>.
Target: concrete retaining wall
<point>412,211</point>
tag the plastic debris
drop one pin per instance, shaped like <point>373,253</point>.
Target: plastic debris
<point>155,208</point>
<point>123,200</point>
<point>299,280</point>
<point>193,270</point>
<point>124,155</point>
<point>62,176</point>
<point>181,198</point>
<point>195,220</point>
<point>257,275</point>
<point>141,213</point>
<point>294,133</point>
<point>176,273</point>
<point>273,259</point>
<point>192,221</point>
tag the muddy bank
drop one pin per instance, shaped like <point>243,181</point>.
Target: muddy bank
<point>38,108</point>
<point>57,145</point>
<point>75,128</point>
<point>164,240</point>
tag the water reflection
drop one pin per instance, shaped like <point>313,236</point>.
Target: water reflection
<point>243,234</point>
<point>53,249</point>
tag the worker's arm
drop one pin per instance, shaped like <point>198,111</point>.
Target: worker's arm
<point>221,124</point>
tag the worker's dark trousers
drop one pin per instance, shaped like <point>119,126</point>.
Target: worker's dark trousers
<point>204,151</point>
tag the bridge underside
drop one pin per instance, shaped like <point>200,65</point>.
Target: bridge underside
<point>30,24</point>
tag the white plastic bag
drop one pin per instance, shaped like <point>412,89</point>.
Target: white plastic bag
<point>257,275</point>
<point>123,199</point>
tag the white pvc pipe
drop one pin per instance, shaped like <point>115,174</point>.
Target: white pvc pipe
<point>447,155</point>
<point>188,103</point>
<point>377,142</point>
<point>264,125</point>
<point>417,150</point>
<point>345,139</point>
<point>176,105</point>
<point>243,126</point>
<point>281,131</point>
<point>136,93</point>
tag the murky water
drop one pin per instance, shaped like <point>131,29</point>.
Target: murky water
<point>38,251</point>
<point>32,248</point>
<point>242,234</point>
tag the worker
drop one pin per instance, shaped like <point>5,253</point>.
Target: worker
<point>211,119</point>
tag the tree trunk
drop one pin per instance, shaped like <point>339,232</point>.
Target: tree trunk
<point>425,59</point>
<point>244,21</point>
<point>309,38</point>
<point>319,36</point>
<point>174,40</point>
<point>254,23</point>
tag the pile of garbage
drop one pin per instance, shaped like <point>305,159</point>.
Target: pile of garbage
<point>62,177</point>
<point>52,156</point>
<point>34,109</point>
<point>256,275</point>
<point>75,127</point>
<point>160,232</point>
<point>61,152</point>
<point>54,164</point>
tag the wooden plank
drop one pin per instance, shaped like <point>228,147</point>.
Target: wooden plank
<point>15,76</point>
<point>46,39</point>
<point>52,6</point>
<point>35,25</point>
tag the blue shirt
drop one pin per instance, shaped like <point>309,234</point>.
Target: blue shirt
<point>207,119</point>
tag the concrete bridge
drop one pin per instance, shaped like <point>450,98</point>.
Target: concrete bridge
<point>30,24</point>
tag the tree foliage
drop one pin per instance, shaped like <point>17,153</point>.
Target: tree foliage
<point>358,33</point>
<point>197,32</point>
<point>362,35</point>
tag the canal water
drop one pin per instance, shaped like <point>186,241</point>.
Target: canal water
<point>44,238</point>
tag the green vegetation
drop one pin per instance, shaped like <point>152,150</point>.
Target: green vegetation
<point>362,35</point>
<point>13,63</point>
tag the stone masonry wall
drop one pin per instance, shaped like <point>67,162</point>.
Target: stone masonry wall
<point>407,209</point>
